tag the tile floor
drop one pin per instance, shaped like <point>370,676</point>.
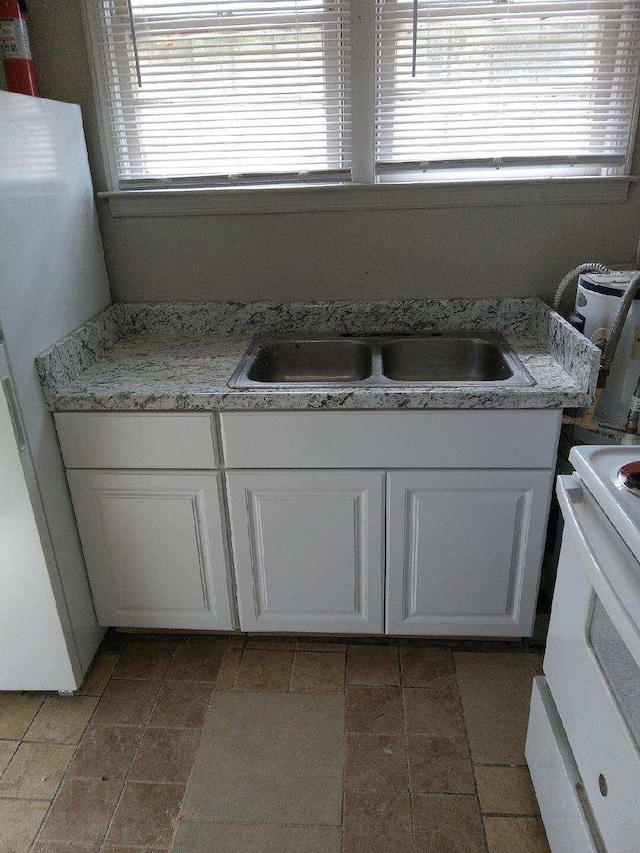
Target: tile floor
<point>431,739</point>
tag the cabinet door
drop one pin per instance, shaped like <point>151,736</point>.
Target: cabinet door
<point>154,547</point>
<point>464,550</point>
<point>308,550</point>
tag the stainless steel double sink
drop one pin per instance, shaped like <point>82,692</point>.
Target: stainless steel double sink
<point>405,359</point>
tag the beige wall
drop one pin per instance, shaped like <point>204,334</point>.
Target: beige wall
<point>405,253</point>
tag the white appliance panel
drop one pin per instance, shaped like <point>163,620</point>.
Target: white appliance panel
<point>52,279</point>
<point>33,650</point>
<point>602,743</point>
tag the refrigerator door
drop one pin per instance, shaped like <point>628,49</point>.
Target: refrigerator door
<point>52,280</point>
<point>33,650</point>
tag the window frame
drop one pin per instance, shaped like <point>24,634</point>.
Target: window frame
<point>364,190</point>
<point>471,168</point>
<point>128,74</point>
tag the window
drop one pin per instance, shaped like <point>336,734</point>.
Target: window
<point>224,90</point>
<point>533,88</point>
<point>227,92</point>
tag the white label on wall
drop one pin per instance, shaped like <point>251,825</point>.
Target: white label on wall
<point>14,40</point>
<point>635,353</point>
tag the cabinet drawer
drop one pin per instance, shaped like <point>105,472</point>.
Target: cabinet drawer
<point>149,440</point>
<point>436,439</point>
<point>555,776</point>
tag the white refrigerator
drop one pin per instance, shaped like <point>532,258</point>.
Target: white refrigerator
<point>52,279</point>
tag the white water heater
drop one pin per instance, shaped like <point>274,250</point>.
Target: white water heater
<point>597,301</point>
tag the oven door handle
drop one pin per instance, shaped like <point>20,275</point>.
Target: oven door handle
<point>571,495</point>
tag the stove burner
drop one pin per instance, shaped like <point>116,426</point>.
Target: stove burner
<point>629,477</point>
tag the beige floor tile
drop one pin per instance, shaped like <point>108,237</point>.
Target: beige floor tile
<point>506,790</point>
<point>147,815</point>
<point>82,811</point>
<point>373,665</point>
<point>433,711</point>
<point>270,758</point>
<point>182,704</point>
<point>126,702</point>
<point>165,755</point>
<point>374,710</point>
<point>7,748</point>
<point>496,692</point>
<point>98,676</point>
<point>19,824</point>
<point>318,672</point>
<point>376,763</point>
<point>264,671</point>
<point>427,667</point>
<point>36,770</point>
<point>62,719</point>
<point>257,838</point>
<point>516,835</point>
<point>229,666</point>
<point>197,660</point>
<point>106,752</point>
<point>440,764</point>
<point>148,660</point>
<point>377,823</point>
<point>447,824</point>
<point>17,711</point>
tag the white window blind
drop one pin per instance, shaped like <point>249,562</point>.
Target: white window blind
<point>540,88</point>
<point>225,92</point>
<point>219,91</point>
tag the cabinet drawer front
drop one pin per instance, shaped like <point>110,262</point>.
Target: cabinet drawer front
<point>603,739</point>
<point>155,548</point>
<point>464,550</point>
<point>555,776</point>
<point>435,439</point>
<point>308,550</point>
<point>124,440</point>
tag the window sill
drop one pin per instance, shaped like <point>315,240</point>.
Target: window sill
<point>347,197</point>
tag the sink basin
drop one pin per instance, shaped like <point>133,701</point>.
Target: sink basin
<point>309,361</point>
<point>445,359</point>
<point>411,359</point>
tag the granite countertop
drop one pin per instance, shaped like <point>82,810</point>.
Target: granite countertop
<point>180,356</point>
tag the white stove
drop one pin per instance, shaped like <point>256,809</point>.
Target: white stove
<point>598,467</point>
<point>583,745</point>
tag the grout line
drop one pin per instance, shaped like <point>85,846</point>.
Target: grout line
<point>408,763</point>
<point>293,663</point>
<point>473,768</point>
<point>135,754</point>
<point>410,790</point>
<point>512,814</point>
<point>65,774</point>
<point>23,800</point>
<point>193,763</point>
<point>343,799</point>
<point>239,667</point>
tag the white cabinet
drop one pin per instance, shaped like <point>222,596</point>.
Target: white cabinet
<point>464,513</point>
<point>464,550</point>
<point>308,550</point>
<point>155,547</point>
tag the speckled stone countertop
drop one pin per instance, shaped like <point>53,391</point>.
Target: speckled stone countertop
<point>180,356</point>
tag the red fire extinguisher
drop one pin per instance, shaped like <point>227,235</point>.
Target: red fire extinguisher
<point>14,48</point>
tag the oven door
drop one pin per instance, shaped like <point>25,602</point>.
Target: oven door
<point>592,663</point>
